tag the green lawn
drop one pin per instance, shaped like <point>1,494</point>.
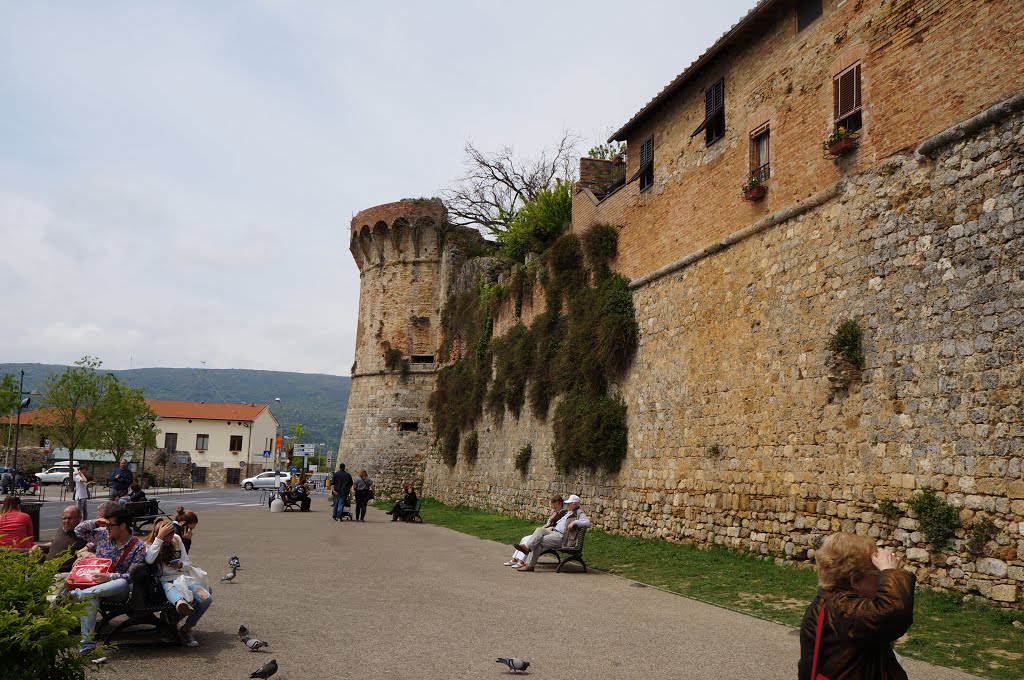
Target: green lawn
<point>973,636</point>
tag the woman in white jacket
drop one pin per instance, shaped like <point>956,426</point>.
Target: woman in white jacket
<point>167,551</point>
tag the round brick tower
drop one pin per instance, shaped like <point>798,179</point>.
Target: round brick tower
<point>398,249</point>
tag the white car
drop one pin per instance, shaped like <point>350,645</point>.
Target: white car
<point>58,474</point>
<point>266,480</point>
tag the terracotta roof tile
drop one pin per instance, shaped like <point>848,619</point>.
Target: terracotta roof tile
<point>203,410</point>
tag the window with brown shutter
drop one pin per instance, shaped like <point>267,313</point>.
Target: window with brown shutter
<point>847,99</point>
<point>646,171</point>
<point>713,125</point>
<point>760,153</point>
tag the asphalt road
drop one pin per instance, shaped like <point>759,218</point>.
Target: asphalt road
<point>378,600</point>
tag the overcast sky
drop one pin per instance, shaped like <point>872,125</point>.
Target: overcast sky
<point>177,178</point>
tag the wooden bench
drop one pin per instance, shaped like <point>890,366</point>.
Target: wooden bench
<point>147,613</point>
<point>567,553</point>
<point>144,515</point>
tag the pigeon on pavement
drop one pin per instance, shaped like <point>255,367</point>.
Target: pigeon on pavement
<point>253,644</point>
<point>229,576</point>
<point>515,664</point>
<point>234,562</point>
<point>266,670</point>
<point>242,631</point>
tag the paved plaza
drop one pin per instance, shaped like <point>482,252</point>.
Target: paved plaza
<point>383,600</point>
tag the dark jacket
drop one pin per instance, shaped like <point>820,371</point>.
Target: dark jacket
<point>553,520</point>
<point>857,636</point>
<point>341,483</point>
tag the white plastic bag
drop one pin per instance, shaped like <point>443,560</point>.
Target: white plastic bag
<point>200,576</point>
<point>184,592</point>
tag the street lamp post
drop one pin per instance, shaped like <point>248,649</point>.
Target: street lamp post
<point>23,404</point>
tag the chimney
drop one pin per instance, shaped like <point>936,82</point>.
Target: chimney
<point>601,176</point>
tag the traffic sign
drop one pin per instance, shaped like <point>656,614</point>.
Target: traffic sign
<point>266,454</point>
<point>241,464</point>
<point>303,449</point>
<point>294,469</point>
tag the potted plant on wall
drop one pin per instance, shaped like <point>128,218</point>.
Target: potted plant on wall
<point>840,141</point>
<point>752,187</point>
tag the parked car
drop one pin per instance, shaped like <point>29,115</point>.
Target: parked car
<point>58,474</point>
<point>266,480</point>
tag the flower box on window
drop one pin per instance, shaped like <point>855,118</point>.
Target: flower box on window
<point>840,143</point>
<point>755,193</point>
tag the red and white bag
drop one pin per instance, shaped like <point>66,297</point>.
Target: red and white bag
<point>84,570</point>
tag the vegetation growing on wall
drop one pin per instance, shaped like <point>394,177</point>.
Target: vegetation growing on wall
<point>538,223</point>
<point>523,459</point>
<point>579,346</point>
<point>846,342</point>
<point>938,519</point>
<point>472,447</point>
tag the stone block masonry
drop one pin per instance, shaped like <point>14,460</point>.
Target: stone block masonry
<point>740,433</point>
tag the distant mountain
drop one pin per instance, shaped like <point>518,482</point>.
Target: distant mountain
<point>316,400</point>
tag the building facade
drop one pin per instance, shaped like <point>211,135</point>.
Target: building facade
<point>224,441</point>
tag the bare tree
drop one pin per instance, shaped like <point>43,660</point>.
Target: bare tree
<point>497,184</point>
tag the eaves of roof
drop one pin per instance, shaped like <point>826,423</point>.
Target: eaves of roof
<point>756,12</point>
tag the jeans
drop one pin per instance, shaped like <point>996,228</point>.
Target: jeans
<point>362,499</point>
<point>113,590</point>
<point>339,507</point>
<point>199,604</point>
<point>83,506</point>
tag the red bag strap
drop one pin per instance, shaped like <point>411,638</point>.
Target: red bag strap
<point>817,641</point>
<point>124,554</point>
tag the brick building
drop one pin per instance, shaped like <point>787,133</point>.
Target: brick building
<point>741,433</point>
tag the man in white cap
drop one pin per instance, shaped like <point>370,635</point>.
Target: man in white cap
<point>564,531</point>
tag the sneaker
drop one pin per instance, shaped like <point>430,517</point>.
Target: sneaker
<point>184,608</point>
<point>511,563</point>
<point>87,648</point>
<point>189,639</point>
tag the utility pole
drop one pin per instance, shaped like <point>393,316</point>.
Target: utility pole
<point>22,403</point>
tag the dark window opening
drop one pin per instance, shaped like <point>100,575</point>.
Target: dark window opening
<point>760,154</point>
<point>847,100</point>
<point>199,475</point>
<point>806,12</point>
<point>171,441</point>
<point>236,442</point>
<point>713,125</point>
<point>647,163</point>
<point>409,426</point>
<point>234,476</point>
<point>422,358</point>
<point>202,442</point>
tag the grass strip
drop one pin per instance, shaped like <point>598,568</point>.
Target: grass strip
<point>972,636</point>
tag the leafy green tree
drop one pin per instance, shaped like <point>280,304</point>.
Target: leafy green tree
<point>8,393</point>
<point>76,399</point>
<point>538,223</point>
<point>126,420</point>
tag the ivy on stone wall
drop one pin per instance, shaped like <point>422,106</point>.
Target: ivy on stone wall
<point>581,344</point>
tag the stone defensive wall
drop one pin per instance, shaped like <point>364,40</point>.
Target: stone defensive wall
<point>741,434</point>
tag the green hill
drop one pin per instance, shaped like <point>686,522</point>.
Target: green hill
<point>316,400</point>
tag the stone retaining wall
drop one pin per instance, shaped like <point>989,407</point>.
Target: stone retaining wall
<point>742,434</point>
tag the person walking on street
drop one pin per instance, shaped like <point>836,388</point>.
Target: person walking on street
<point>120,479</point>
<point>364,492</point>
<point>82,491</point>
<point>341,487</point>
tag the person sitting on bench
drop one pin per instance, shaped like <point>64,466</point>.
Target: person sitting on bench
<point>404,507</point>
<point>300,494</point>
<point>557,510</point>
<point>565,530</point>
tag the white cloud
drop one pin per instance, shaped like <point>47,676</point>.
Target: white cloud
<point>178,178</point>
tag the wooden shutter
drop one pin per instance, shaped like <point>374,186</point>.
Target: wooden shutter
<point>846,92</point>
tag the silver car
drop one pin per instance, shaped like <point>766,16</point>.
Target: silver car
<point>265,480</point>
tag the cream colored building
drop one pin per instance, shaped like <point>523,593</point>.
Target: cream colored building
<point>225,441</point>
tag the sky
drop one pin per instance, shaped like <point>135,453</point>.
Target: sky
<point>177,178</point>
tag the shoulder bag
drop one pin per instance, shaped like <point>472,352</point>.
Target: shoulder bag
<point>815,675</point>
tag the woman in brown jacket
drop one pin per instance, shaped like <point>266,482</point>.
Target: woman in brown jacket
<point>868,603</point>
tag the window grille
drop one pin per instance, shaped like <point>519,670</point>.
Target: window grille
<point>760,153</point>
